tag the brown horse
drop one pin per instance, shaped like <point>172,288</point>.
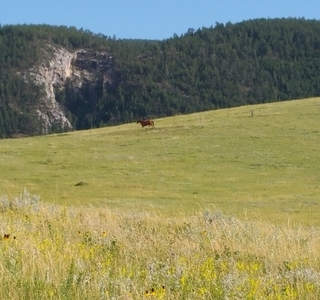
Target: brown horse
<point>146,123</point>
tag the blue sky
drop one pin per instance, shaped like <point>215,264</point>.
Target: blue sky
<point>149,19</point>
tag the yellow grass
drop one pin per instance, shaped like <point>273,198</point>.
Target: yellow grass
<point>55,252</point>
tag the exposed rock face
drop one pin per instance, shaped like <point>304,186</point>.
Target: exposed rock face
<point>86,62</point>
<point>58,65</point>
<point>49,74</point>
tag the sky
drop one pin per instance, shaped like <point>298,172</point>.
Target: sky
<point>149,19</point>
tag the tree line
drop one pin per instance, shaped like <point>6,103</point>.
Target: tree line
<point>226,65</point>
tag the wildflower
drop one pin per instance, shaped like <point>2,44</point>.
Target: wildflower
<point>309,287</point>
<point>151,293</point>
<point>240,265</point>
<point>51,293</point>
<point>202,290</point>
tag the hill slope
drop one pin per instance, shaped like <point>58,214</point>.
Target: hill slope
<point>56,78</point>
<point>261,159</point>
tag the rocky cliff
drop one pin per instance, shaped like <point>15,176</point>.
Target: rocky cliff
<point>59,64</point>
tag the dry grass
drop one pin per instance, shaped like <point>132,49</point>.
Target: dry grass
<point>55,252</point>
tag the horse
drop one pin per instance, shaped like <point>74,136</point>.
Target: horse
<point>146,123</point>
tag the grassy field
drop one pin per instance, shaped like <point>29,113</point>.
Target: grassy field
<point>217,205</point>
<point>55,252</point>
<point>256,162</point>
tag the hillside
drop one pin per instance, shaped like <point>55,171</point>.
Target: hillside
<point>261,161</point>
<point>55,79</point>
<point>212,205</point>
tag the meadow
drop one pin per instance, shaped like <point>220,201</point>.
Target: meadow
<point>214,205</point>
<point>56,252</point>
<point>262,161</point>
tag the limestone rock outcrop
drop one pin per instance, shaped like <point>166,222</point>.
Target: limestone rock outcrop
<point>59,64</point>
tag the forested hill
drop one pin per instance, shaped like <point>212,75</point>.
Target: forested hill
<point>113,81</point>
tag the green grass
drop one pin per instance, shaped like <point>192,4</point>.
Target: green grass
<point>258,162</point>
<point>187,210</point>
